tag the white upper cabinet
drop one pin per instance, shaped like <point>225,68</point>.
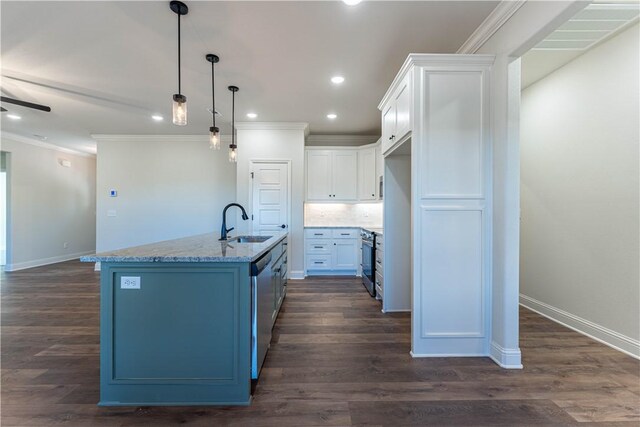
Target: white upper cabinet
<point>345,175</point>
<point>396,115</point>
<point>319,183</point>
<point>367,174</point>
<point>332,175</point>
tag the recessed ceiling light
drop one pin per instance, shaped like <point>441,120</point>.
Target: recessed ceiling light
<point>252,115</point>
<point>14,116</point>
<point>157,117</point>
<point>337,79</point>
<point>351,2</point>
<point>331,116</point>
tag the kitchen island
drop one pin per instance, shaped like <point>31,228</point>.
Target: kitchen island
<point>183,322</point>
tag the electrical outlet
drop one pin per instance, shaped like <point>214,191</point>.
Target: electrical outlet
<point>130,282</point>
<point>65,245</point>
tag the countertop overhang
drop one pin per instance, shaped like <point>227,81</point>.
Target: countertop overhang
<point>199,248</point>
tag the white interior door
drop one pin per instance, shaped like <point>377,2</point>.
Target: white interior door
<point>270,200</point>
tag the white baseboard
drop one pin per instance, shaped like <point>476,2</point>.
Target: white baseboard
<point>420,355</point>
<point>45,261</point>
<point>296,275</point>
<point>401,310</point>
<point>505,358</point>
<point>597,332</point>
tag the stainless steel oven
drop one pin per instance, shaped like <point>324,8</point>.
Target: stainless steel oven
<point>368,261</point>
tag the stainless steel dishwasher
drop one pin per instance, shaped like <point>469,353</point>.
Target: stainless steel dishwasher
<point>261,311</point>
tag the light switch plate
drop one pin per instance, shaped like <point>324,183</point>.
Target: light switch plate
<point>130,282</point>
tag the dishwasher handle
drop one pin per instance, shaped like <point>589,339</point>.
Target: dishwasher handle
<point>260,264</point>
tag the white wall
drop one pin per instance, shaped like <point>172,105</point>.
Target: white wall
<point>49,205</point>
<point>168,187</point>
<point>275,141</point>
<point>580,250</point>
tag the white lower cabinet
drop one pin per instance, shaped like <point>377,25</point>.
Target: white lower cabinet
<point>331,250</point>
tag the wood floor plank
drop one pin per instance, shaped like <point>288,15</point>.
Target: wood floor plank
<point>335,359</point>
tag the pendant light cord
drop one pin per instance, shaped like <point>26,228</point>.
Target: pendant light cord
<point>233,118</point>
<point>213,94</point>
<point>179,76</point>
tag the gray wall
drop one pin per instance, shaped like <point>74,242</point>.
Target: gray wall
<point>49,205</point>
<point>580,221</point>
<point>168,187</point>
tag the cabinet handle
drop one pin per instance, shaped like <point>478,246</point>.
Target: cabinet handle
<point>318,247</point>
<point>345,234</point>
<point>318,234</point>
<point>318,262</point>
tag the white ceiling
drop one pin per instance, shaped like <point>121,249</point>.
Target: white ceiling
<point>591,26</point>
<point>105,67</point>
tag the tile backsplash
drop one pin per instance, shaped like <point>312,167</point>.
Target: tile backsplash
<point>343,214</point>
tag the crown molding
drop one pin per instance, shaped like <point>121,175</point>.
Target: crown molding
<point>433,61</point>
<point>42,144</point>
<point>336,140</point>
<point>274,126</point>
<point>492,23</point>
<point>157,138</point>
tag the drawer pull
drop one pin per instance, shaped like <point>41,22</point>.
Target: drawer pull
<point>318,234</point>
<point>345,234</point>
<point>318,247</point>
<point>318,262</point>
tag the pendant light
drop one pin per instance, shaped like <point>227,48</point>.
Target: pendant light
<point>179,100</point>
<point>233,148</point>
<point>214,132</point>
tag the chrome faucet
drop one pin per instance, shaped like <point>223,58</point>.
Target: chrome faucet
<point>224,230</point>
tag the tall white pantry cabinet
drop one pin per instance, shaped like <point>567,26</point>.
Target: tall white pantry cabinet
<point>436,118</point>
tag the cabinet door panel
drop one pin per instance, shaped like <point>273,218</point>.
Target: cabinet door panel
<point>345,175</point>
<point>345,255</point>
<point>319,175</point>
<point>367,174</point>
<point>388,125</point>
<point>403,110</point>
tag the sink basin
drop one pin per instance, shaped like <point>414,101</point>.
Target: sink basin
<point>252,239</point>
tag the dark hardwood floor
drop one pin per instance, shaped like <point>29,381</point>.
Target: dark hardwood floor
<point>335,360</point>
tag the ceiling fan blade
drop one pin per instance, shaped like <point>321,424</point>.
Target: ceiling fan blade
<point>2,109</point>
<point>25,104</point>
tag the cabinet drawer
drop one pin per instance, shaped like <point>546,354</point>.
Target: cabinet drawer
<point>379,280</point>
<point>379,267</point>
<point>379,244</point>
<point>318,246</point>
<point>318,262</point>
<point>345,233</point>
<point>379,292</point>
<point>317,233</point>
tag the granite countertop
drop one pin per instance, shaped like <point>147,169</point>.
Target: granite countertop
<point>377,230</point>
<point>200,248</point>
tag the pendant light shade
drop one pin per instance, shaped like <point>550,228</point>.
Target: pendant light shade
<point>214,138</point>
<point>179,110</point>
<point>179,100</point>
<point>214,132</point>
<point>233,148</point>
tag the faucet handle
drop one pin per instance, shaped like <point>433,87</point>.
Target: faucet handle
<point>230,229</point>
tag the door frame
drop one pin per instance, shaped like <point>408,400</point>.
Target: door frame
<point>253,162</point>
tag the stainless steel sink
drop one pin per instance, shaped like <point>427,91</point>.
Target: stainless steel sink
<point>251,239</point>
